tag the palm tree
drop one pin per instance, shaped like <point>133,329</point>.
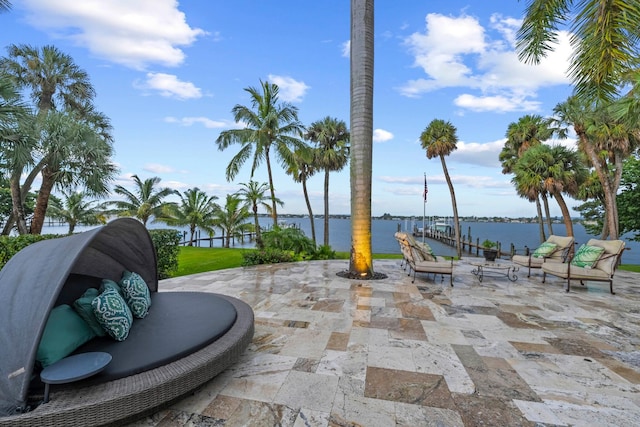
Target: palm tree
<point>332,154</point>
<point>52,77</point>
<point>303,168</point>
<point>253,194</point>
<point>16,148</point>
<point>269,124</point>
<point>556,170</point>
<point>196,210</point>
<point>528,131</point>
<point>76,209</point>
<point>5,6</point>
<point>55,82</point>
<point>440,139</point>
<point>147,200</point>
<point>606,141</point>
<point>231,218</point>
<point>604,41</point>
<point>361,94</point>
<point>73,152</point>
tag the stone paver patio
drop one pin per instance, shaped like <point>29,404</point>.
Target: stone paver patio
<point>328,351</point>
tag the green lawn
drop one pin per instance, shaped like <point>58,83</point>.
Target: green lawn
<point>199,260</point>
<point>194,260</point>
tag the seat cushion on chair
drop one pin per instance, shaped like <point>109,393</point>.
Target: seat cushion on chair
<point>562,270</point>
<point>525,259</point>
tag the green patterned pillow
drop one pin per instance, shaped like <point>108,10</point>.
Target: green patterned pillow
<point>84,308</point>
<point>587,256</point>
<point>114,315</point>
<point>136,293</point>
<point>110,284</point>
<point>545,249</point>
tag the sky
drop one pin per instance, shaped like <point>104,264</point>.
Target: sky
<point>168,74</point>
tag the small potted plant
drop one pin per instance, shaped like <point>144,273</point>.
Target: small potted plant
<point>489,250</point>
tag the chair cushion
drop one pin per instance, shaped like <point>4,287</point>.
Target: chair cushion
<point>113,314</point>
<point>84,308</point>
<point>545,249</point>
<point>136,293</point>
<point>64,332</point>
<point>587,256</point>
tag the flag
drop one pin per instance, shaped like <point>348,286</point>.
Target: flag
<point>426,189</point>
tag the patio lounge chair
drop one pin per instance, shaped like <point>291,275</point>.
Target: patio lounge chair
<point>420,258</point>
<point>599,267</point>
<point>554,249</point>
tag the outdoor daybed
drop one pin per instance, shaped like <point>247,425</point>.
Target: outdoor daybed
<point>186,339</point>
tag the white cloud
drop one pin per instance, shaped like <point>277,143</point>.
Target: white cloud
<point>169,86</point>
<point>381,135</point>
<point>346,49</point>
<point>458,52</point>
<point>291,90</point>
<point>158,168</point>
<point>134,34</point>
<point>475,153</point>
<point>206,122</point>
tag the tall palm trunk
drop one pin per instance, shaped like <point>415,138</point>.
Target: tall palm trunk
<point>274,211</point>
<point>17,205</point>
<point>361,262</point>
<point>42,201</point>
<point>565,213</point>
<point>540,220</point>
<point>326,207</point>
<point>454,204</point>
<point>547,213</point>
<point>306,199</point>
<point>256,224</point>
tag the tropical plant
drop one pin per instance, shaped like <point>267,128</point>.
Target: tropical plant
<point>361,96</point>
<point>629,197</point>
<point>301,169</point>
<point>145,201</point>
<point>528,131</point>
<point>439,139</point>
<point>489,244</point>
<point>606,142</point>
<point>289,239</point>
<point>332,154</point>
<point>556,170</point>
<point>268,124</point>
<point>195,210</point>
<point>231,218</point>
<point>5,5</point>
<point>253,194</point>
<point>604,41</point>
<point>76,209</point>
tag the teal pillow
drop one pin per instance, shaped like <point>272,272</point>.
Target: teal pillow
<point>109,284</point>
<point>587,256</point>
<point>544,250</point>
<point>64,332</point>
<point>136,293</point>
<point>84,308</point>
<point>114,315</point>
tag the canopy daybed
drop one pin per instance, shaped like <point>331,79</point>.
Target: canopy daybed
<point>186,339</point>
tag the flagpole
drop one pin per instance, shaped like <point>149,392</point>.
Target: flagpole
<point>424,207</point>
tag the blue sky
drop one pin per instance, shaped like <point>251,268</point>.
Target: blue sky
<point>168,74</point>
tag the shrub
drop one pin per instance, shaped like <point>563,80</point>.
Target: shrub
<point>266,256</point>
<point>325,252</point>
<point>166,242</point>
<point>11,245</point>
<point>288,239</point>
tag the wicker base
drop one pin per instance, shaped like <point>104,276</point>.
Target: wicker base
<point>137,396</point>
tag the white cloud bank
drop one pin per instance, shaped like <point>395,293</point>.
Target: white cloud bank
<point>291,90</point>
<point>169,86</point>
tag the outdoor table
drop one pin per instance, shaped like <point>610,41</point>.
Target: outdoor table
<point>73,368</point>
<point>500,269</point>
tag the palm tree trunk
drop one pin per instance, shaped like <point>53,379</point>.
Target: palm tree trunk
<point>256,225</point>
<point>42,201</point>
<point>326,207</point>
<point>306,199</point>
<point>18,205</point>
<point>540,220</point>
<point>565,213</point>
<point>454,205</point>
<point>361,260</point>
<point>193,232</point>
<point>274,211</point>
<point>547,213</point>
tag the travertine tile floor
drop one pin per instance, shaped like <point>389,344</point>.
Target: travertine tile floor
<point>328,351</point>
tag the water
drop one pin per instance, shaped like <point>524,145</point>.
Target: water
<point>382,231</point>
